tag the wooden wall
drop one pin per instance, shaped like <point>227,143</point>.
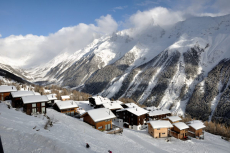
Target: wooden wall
<point>130,118</point>
<point>3,95</point>
<point>196,132</point>
<point>155,132</point>
<point>177,133</point>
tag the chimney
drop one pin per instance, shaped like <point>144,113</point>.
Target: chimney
<point>12,87</point>
<point>136,109</point>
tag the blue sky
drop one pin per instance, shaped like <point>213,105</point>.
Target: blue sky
<point>41,17</point>
<point>35,31</point>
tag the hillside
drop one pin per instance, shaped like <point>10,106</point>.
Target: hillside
<point>184,67</point>
<point>27,134</point>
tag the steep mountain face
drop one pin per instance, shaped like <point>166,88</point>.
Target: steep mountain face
<point>184,68</point>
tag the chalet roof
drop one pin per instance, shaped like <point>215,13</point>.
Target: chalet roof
<point>37,93</point>
<point>112,106</point>
<point>65,97</point>
<point>51,97</point>
<point>197,125</point>
<point>159,112</point>
<point>150,108</point>
<point>131,105</point>
<point>100,100</point>
<point>34,99</point>
<point>138,111</point>
<point>174,118</point>
<point>160,124</point>
<point>18,94</point>
<point>181,125</point>
<point>7,88</point>
<point>66,104</point>
<point>117,101</point>
<point>101,114</point>
<point>194,121</point>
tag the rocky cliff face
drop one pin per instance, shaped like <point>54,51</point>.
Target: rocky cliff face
<point>184,68</point>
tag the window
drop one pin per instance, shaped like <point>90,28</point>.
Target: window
<point>100,127</point>
<point>43,110</point>
<point>158,129</point>
<point>33,105</point>
<point>43,104</point>
<point>107,127</point>
<point>162,133</point>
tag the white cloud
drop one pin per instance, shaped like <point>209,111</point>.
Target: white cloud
<point>31,50</point>
<point>0,35</point>
<point>156,16</point>
<point>119,8</point>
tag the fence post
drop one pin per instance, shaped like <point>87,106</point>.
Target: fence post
<point>1,147</point>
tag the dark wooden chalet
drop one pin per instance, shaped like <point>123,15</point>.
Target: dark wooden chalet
<point>98,101</point>
<point>51,98</point>
<point>16,97</point>
<point>179,130</point>
<point>134,118</point>
<point>34,104</point>
<point>5,92</point>
<point>100,118</point>
<point>158,114</point>
<point>68,107</point>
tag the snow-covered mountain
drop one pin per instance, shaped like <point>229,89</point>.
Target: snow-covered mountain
<point>184,68</point>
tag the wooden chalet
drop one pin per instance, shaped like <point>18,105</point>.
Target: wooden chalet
<point>158,114</point>
<point>98,101</point>
<point>66,97</point>
<point>179,130</point>
<point>100,118</point>
<point>16,97</point>
<point>159,128</point>
<point>112,106</point>
<point>68,107</point>
<point>196,129</point>
<point>5,92</point>
<point>173,119</point>
<point>51,98</point>
<point>129,105</point>
<point>133,118</point>
<point>34,104</point>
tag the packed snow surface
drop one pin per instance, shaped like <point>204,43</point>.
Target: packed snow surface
<point>22,133</point>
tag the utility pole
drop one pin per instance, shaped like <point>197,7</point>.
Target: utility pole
<point>1,147</point>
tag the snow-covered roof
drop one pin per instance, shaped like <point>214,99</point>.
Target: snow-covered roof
<point>51,97</point>
<point>7,88</point>
<point>34,99</point>
<point>65,97</point>
<point>131,105</point>
<point>160,124</point>
<point>181,125</point>
<point>101,100</point>
<point>197,125</point>
<point>137,111</point>
<point>112,106</point>
<point>66,104</point>
<point>37,93</point>
<point>117,101</point>
<point>150,108</point>
<point>174,118</point>
<point>101,114</point>
<point>194,121</point>
<point>159,112</point>
<point>22,93</point>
